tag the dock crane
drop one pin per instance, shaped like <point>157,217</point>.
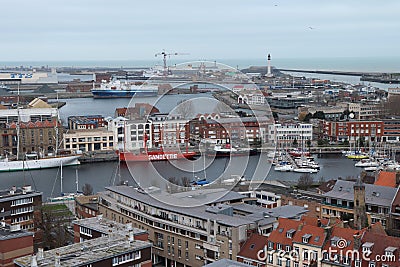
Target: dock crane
<point>165,54</point>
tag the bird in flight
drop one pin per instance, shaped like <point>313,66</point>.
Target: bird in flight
<point>311,28</point>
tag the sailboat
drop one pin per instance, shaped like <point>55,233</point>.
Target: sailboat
<point>33,161</point>
<point>66,196</point>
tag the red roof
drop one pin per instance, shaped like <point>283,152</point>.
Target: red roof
<point>252,246</point>
<point>386,179</point>
<point>381,243</point>
<point>279,234</point>
<point>316,235</point>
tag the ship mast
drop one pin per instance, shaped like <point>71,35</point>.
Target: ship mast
<point>18,126</point>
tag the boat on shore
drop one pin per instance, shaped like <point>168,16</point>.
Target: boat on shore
<point>117,89</point>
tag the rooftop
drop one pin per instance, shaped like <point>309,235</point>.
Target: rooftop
<point>197,211</point>
<point>17,193</point>
<point>10,232</point>
<point>85,253</point>
<point>226,263</point>
<point>104,225</point>
<point>374,194</point>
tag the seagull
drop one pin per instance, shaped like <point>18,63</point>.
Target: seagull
<point>311,28</point>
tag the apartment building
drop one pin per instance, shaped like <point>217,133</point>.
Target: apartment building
<point>353,130</point>
<point>286,134</point>
<point>89,140</point>
<point>39,130</point>
<point>17,206</point>
<point>341,201</point>
<point>191,236</point>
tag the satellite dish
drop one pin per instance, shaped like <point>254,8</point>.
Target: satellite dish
<point>351,115</point>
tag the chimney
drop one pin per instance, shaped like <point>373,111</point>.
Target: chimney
<point>40,254</point>
<point>131,237</point>
<point>34,261</point>
<point>328,231</point>
<point>57,261</point>
<point>357,241</point>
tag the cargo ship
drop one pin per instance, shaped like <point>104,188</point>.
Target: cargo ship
<point>154,155</point>
<point>116,88</point>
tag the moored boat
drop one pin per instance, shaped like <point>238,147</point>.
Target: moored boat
<point>156,155</point>
<point>117,89</point>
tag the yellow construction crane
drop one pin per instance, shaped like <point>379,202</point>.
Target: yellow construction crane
<point>165,54</point>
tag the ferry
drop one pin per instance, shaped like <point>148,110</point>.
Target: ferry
<point>116,89</point>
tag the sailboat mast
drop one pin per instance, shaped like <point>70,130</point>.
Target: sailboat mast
<point>18,126</point>
<point>61,177</point>
<point>76,180</point>
<point>56,129</point>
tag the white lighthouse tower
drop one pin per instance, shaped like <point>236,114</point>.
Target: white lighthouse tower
<point>269,74</point>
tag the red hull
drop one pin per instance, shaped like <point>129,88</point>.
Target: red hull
<point>155,156</point>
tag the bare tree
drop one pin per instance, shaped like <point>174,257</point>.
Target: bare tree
<point>392,105</point>
<point>87,189</point>
<point>305,181</point>
<point>172,185</point>
<point>52,225</point>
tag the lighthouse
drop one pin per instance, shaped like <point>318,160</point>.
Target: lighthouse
<point>269,74</point>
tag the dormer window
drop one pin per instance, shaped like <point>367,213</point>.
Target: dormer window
<point>367,247</point>
<point>389,251</point>
<point>306,238</point>
<point>289,233</point>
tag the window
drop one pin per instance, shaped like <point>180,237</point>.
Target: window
<point>270,258</point>
<point>357,263</point>
<point>371,264</point>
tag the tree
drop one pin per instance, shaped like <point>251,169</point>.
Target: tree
<point>87,189</point>
<point>275,115</point>
<point>308,143</point>
<point>305,181</point>
<point>319,115</point>
<point>295,143</point>
<point>52,224</point>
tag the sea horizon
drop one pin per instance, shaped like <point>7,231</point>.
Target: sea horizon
<point>359,64</point>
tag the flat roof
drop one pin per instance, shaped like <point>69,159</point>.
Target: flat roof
<point>104,225</point>
<point>194,211</point>
<point>6,233</point>
<point>86,252</point>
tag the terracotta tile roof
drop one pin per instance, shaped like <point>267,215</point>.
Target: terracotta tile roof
<point>314,221</point>
<point>386,179</point>
<point>279,234</point>
<point>315,235</point>
<point>380,244</point>
<point>339,234</point>
<point>252,246</point>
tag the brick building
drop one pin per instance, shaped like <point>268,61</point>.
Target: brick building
<point>18,206</point>
<point>14,243</point>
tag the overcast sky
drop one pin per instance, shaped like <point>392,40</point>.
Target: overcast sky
<point>217,29</point>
